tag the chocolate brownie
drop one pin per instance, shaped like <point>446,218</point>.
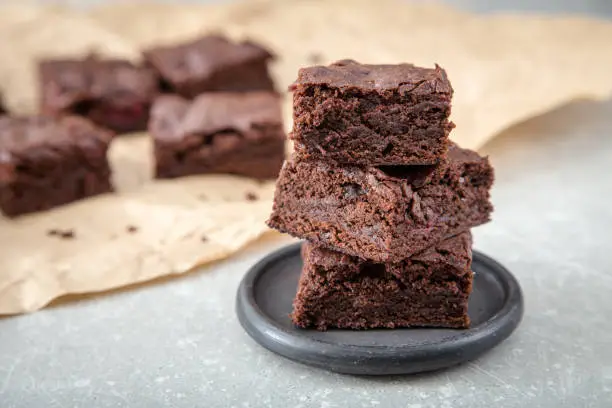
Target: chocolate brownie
<point>382,213</point>
<point>370,115</point>
<point>46,162</point>
<point>112,93</point>
<point>237,133</point>
<point>212,63</point>
<point>430,288</point>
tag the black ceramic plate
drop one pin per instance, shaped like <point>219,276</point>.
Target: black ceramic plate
<point>265,297</point>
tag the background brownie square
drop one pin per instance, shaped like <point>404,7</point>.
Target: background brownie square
<point>369,115</point>
<point>235,133</point>
<point>429,289</point>
<point>212,63</point>
<point>47,162</point>
<point>112,93</point>
<point>382,213</point>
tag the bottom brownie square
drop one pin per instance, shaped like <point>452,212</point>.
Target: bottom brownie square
<point>428,289</point>
<point>48,162</point>
<point>233,133</point>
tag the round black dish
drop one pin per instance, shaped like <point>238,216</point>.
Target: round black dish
<point>265,297</point>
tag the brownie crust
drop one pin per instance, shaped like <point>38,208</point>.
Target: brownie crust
<point>372,115</point>
<point>233,133</point>
<point>429,289</point>
<point>212,63</point>
<point>386,213</point>
<point>112,93</point>
<point>47,162</point>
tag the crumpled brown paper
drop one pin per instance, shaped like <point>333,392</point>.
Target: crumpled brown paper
<point>504,69</point>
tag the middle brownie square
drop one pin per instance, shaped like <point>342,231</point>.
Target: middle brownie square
<point>384,214</point>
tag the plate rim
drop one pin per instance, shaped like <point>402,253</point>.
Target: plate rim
<point>401,359</point>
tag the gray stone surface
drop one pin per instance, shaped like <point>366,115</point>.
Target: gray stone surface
<point>178,344</point>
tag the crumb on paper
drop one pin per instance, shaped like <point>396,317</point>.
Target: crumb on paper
<point>204,238</point>
<point>315,58</point>
<point>202,197</point>
<point>250,196</point>
<point>64,234</point>
<point>132,229</point>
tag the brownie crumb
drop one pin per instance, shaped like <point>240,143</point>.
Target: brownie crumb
<point>250,196</point>
<point>132,229</point>
<point>315,58</point>
<point>204,238</point>
<point>68,234</point>
<point>64,234</point>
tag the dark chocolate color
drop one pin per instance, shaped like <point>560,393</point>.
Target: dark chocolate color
<point>236,133</point>
<point>383,214</point>
<point>47,162</point>
<point>428,289</point>
<point>112,93</point>
<point>368,115</point>
<point>212,63</point>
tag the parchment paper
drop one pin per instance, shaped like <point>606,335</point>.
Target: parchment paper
<point>504,69</point>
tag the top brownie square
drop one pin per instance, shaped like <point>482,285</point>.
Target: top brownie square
<point>372,115</point>
<point>212,63</point>
<point>112,93</point>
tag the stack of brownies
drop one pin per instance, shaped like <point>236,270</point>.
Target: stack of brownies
<point>383,198</point>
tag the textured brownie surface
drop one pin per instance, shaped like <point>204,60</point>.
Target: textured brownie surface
<point>430,288</point>
<point>47,162</point>
<point>382,213</point>
<point>112,93</point>
<point>236,133</point>
<point>212,63</point>
<point>368,115</point>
